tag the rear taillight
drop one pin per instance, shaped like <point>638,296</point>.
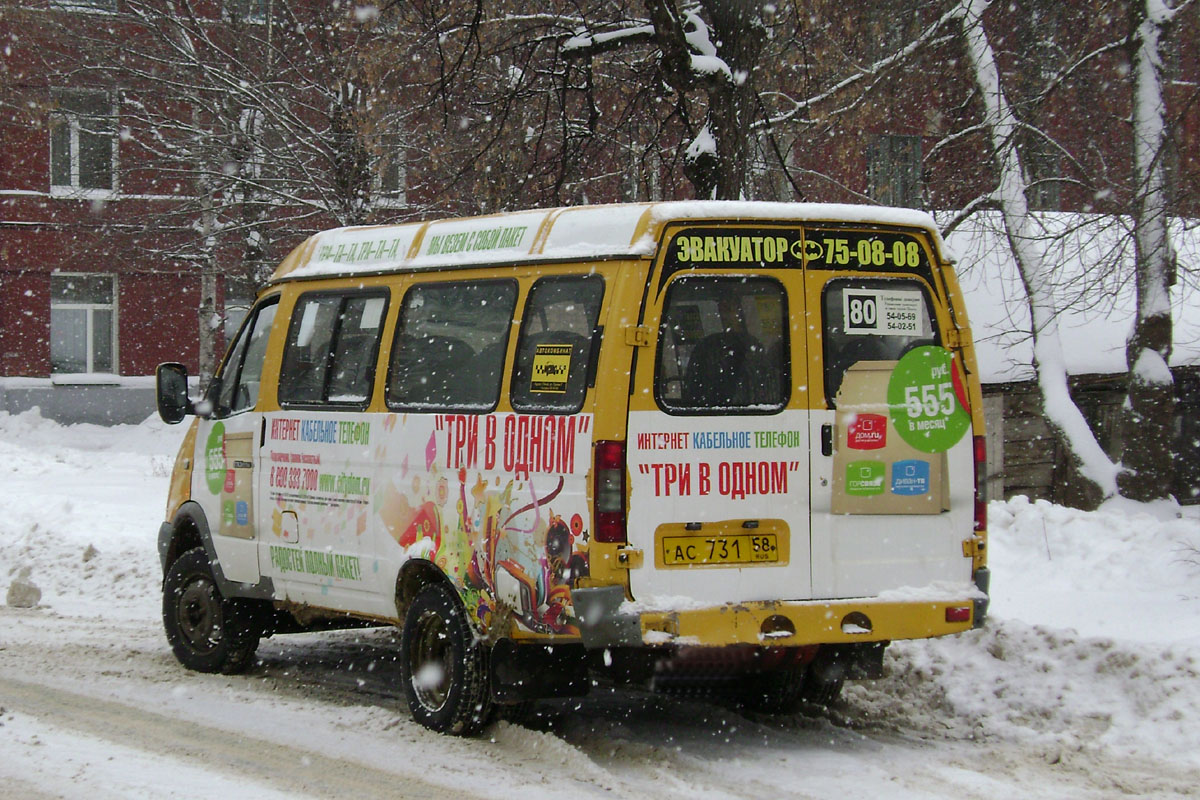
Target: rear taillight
<point>958,614</point>
<point>980,444</point>
<point>609,492</point>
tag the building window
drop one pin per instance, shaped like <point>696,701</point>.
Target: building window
<point>255,11</point>
<point>83,323</point>
<point>393,176</point>
<point>894,170</point>
<point>1042,160</point>
<point>83,142</point>
<point>85,5</point>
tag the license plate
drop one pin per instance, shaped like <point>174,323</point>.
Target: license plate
<point>737,548</point>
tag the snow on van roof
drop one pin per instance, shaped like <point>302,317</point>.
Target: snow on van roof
<point>569,233</point>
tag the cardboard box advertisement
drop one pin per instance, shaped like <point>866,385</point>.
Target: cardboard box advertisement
<point>875,471</point>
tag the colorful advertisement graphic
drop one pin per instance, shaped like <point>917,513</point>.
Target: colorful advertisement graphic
<point>214,458</point>
<point>927,400</point>
<point>902,475</point>
<point>910,477</point>
<point>864,478</point>
<point>867,432</point>
<point>499,507</point>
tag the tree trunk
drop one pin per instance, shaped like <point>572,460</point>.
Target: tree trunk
<point>1148,469</point>
<point>1086,457</point>
<point>209,357</point>
<point>718,159</point>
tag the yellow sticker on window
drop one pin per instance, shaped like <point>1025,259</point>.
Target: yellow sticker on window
<point>551,366</point>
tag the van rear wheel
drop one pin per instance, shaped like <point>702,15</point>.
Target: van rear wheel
<point>444,667</point>
<point>777,691</point>
<point>207,632</point>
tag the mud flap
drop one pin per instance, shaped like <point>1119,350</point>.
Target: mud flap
<point>601,623</point>
<point>534,671</point>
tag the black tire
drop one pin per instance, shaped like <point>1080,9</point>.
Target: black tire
<point>777,691</point>
<point>443,666</point>
<point>823,689</point>
<point>522,713</point>
<point>207,632</point>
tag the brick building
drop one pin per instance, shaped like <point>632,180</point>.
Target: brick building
<point>97,287</point>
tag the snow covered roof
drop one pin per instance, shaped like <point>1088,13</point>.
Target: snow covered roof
<point>603,231</point>
<point>1095,290</point>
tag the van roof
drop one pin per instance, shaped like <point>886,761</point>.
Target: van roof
<point>629,230</point>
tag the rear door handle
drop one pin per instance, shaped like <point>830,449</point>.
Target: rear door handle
<point>827,440</point>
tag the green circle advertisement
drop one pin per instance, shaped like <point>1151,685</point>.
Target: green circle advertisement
<point>927,400</point>
<point>214,458</point>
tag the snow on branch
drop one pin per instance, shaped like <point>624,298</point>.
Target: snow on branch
<point>590,44</point>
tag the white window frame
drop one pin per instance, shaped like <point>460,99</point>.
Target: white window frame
<point>86,6</point>
<point>74,122</point>
<point>252,12</point>
<point>90,308</point>
<point>890,180</point>
<point>391,147</point>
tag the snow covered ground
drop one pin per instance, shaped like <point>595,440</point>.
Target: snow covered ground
<point>1083,685</point>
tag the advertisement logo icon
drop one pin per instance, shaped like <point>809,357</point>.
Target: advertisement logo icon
<point>864,478</point>
<point>910,477</point>
<point>867,432</point>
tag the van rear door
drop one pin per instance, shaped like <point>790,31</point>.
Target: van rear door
<point>893,477</point>
<point>717,449</point>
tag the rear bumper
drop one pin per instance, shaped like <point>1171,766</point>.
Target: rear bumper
<point>605,621</point>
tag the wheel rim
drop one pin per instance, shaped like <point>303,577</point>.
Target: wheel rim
<point>429,662</point>
<point>199,615</point>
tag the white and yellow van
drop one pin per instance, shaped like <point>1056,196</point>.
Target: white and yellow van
<point>729,443</point>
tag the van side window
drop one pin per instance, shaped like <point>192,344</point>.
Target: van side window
<point>554,350</point>
<point>448,354</point>
<point>331,349</point>
<point>239,381</point>
<point>871,319</point>
<point>722,346</point>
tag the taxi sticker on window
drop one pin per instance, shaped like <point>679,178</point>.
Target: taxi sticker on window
<point>551,366</point>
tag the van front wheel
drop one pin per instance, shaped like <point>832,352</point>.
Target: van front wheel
<point>207,632</point>
<point>444,667</point>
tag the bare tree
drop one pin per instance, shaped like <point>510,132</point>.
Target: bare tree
<point>1148,469</point>
<point>1004,128</point>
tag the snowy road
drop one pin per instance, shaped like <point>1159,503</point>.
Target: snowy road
<point>1038,705</point>
<point>101,710</point>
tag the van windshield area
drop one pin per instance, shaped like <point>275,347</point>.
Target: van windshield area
<point>722,346</point>
<point>554,364</point>
<point>236,388</point>
<point>448,354</point>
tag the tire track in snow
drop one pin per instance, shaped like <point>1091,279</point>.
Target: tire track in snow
<point>287,768</point>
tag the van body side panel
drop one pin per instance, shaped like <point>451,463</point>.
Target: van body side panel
<point>497,501</point>
<point>181,474</point>
<point>316,541</point>
<point>224,488</point>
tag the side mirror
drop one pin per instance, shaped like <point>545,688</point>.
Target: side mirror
<point>171,381</point>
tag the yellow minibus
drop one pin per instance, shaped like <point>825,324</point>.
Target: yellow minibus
<point>732,445</point>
